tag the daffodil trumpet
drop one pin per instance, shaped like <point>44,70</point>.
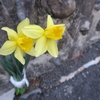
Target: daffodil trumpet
<point>46,38</point>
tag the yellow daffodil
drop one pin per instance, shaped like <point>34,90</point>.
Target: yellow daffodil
<point>45,37</point>
<point>18,42</point>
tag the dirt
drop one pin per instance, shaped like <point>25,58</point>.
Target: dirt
<point>84,86</point>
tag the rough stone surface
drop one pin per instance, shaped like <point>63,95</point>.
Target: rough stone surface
<point>5,85</point>
<point>68,12</point>
<point>83,86</point>
<point>39,66</point>
<point>85,7</point>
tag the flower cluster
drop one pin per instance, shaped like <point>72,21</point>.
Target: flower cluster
<point>29,40</point>
<point>22,41</point>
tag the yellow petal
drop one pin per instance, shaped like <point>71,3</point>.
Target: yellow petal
<point>33,31</point>
<point>8,48</point>
<point>52,47</point>
<point>12,35</point>
<point>31,52</point>
<point>49,21</point>
<point>41,46</point>
<point>19,55</point>
<point>21,25</point>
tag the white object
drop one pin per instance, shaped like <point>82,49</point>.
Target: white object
<point>20,84</point>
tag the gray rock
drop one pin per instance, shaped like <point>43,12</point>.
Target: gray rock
<point>56,61</point>
<point>97,6</point>
<point>84,25</point>
<point>39,65</point>
<point>98,26</point>
<point>63,8</point>
<point>25,96</point>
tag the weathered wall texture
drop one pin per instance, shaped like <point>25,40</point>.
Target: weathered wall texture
<point>82,19</point>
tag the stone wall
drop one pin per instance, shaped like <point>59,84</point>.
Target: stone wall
<point>81,17</point>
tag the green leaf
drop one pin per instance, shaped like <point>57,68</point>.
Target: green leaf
<point>19,77</point>
<point>11,65</point>
<point>15,61</point>
<point>22,91</point>
<point>17,91</point>
<point>6,66</point>
<point>8,57</point>
<point>27,58</point>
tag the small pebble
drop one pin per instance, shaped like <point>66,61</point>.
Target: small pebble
<point>79,98</point>
<point>56,61</point>
<point>84,75</point>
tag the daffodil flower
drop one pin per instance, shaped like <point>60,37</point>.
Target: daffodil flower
<point>45,37</point>
<point>18,42</point>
